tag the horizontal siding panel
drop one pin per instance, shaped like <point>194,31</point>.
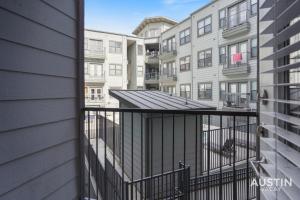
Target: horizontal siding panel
<point>35,35</point>
<point>40,12</point>
<point>20,114</point>
<point>66,6</point>
<point>67,191</point>
<point>45,184</point>
<point>21,58</point>
<point>34,139</point>
<point>31,86</point>
<point>20,171</point>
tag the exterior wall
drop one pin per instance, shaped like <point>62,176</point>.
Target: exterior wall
<point>38,104</point>
<point>162,26</point>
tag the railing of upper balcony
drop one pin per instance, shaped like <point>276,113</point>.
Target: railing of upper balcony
<point>95,52</point>
<point>238,59</point>
<point>168,154</point>
<point>169,48</point>
<point>152,54</point>
<point>152,76</point>
<point>97,76</point>
<point>237,100</point>
<point>237,18</point>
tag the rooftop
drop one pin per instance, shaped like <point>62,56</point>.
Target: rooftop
<point>149,20</point>
<point>146,99</point>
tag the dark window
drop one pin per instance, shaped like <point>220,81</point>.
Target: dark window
<point>185,90</point>
<point>253,7</point>
<point>222,18</point>
<point>115,70</point>
<point>204,26</point>
<point>169,69</point>
<point>253,90</point>
<point>185,36</point>
<point>205,58</point>
<point>169,45</point>
<point>253,48</point>
<point>237,14</point>
<point>222,55</point>
<point>185,63</point>
<point>204,90</point>
<point>222,91</point>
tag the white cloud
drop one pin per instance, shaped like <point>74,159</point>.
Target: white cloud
<point>179,2</point>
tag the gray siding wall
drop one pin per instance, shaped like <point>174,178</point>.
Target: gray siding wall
<point>39,129</point>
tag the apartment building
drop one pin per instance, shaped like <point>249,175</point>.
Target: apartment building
<point>211,55</point>
<point>119,61</point>
<point>280,94</point>
<point>109,61</point>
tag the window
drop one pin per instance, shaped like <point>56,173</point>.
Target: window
<point>95,69</point>
<point>140,50</point>
<point>185,90</point>
<point>169,89</point>
<point>238,54</point>
<point>204,26</point>
<point>205,58</point>
<point>222,18</point>
<point>169,69</point>
<point>115,70</point>
<point>185,36</point>
<point>222,55</point>
<point>169,44</point>
<point>253,48</point>
<point>95,93</point>
<point>222,91</point>
<point>154,32</point>
<point>237,14</point>
<point>253,7</point>
<point>140,71</point>
<point>93,45</point>
<point>115,47</point>
<point>253,90</point>
<point>185,63</point>
<point>204,90</point>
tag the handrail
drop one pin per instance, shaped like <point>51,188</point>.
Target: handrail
<point>253,162</point>
<point>199,112</point>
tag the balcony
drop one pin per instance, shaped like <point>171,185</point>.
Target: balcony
<point>152,58</point>
<point>237,24</point>
<point>237,100</point>
<point>168,78</point>
<point>152,78</point>
<point>94,100</point>
<point>99,78</point>
<point>237,64</point>
<point>99,54</point>
<point>133,154</point>
<point>168,52</point>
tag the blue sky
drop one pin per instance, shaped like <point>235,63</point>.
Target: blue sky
<point>122,16</point>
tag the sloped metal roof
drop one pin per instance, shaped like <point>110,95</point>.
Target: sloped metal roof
<point>148,99</point>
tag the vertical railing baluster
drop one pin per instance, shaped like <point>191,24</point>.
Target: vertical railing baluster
<point>114,154</point>
<point>184,139</point>
<point>234,154</point>
<point>201,146</point>
<point>105,144</point>
<point>196,155</point>
<point>248,136</point>
<point>220,161</point>
<point>208,158</point>
<point>173,154</point>
<point>162,151</point>
<point>122,152</point>
<point>89,159</point>
<point>131,154</point>
<point>96,160</point>
<point>151,156</point>
<point>142,155</point>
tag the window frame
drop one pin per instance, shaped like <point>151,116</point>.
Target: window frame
<point>224,55</point>
<point>251,7</point>
<point>205,58</point>
<point>204,26</point>
<point>221,97</point>
<point>205,91</point>
<point>186,65</point>
<point>186,38</point>
<point>113,49</point>
<point>252,54</point>
<point>139,73</point>
<point>115,70</point>
<point>253,98</point>
<point>187,93</point>
<point>225,18</point>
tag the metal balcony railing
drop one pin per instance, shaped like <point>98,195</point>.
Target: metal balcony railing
<point>235,20</point>
<point>167,154</point>
<point>237,100</point>
<point>152,76</point>
<point>96,53</point>
<point>236,60</point>
<point>99,77</point>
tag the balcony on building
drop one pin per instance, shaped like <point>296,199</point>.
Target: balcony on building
<point>96,53</point>
<point>168,52</point>
<point>236,64</point>
<point>168,78</point>
<point>152,77</point>
<point>237,23</point>
<point>237,100</point>
<point>95,78</point>
<point>152,57</point>
<point>92,100</point>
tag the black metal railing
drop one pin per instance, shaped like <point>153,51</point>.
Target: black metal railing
<point>134,154</point>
